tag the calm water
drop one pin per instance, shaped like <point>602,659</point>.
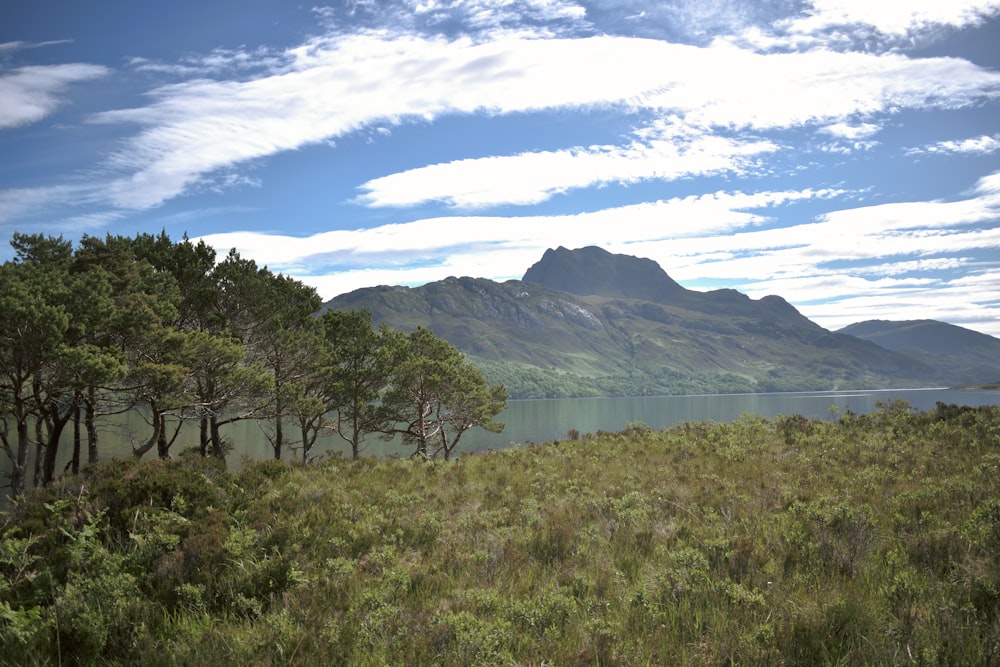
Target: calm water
<point>544,420</point>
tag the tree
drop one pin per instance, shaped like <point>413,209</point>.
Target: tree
<point>435,396</point>
<point>361,362</point>
<point>161,377</point>
<point>188,267</point>
<point>222,387</point>
<point>258,311</point>
<point>284,342</point>
<point>470,403</point>
<point>33,322</point>
<point>52,318</point>
<point>139,326</point>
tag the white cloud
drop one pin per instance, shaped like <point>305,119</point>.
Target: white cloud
<point>988,186</point>
<point>894,18</point>
<point>530,178</point>
<point>217,63</point>
<point>863,24</point>
<point>495,13</point>
<point>982,145</point>
<point>852,131</point>
<point>30,94</point>
<point>335,85</point>
<point>10,47</point>
<point>969,301</point>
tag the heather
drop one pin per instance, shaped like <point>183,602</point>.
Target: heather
<point>862,539</point>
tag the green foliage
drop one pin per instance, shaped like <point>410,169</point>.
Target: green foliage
<point>356,374</point>
<point>434,395</point>
<point>143,322</point>
<point>868,539</point>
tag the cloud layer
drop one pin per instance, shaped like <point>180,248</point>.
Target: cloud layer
<point>335,86</point>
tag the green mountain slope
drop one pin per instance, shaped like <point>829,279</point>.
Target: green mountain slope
<point>588,323</point>
<point>972,355</point>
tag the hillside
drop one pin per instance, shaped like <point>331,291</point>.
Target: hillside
<point>587,322</point>
<point>974,355</point>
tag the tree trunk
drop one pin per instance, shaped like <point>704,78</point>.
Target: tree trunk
<point>217,449</point>
<point>39,450</point>
<point>90,421</point>
<point>444,444</point>
<point>163,444</point>
<point>57,423</point>
<point>306,444</point>
<point>19,472</point>
<point>204,437</point>
<point>138,452</point>
<point>17,454</point>
<point>278,410</point>
<point>278,437</point>
<point>355,434</point>
<point>74,463</point>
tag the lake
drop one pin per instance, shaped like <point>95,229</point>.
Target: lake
<point>538,421</point>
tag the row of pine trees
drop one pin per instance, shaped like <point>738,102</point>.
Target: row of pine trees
<point>168,329</point>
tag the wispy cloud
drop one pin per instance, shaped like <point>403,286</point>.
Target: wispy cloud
<point>982,145</point>
<point>530,178</point>
<point>338,84</point>
<point>11,47</point>
<point>865,25</point>
<point>261,61</point>
<point>30,94</point>
<point>851,130</point>
<point>893,18</point>
<point>497,13</point>
<point>43,202</point>
<point>468,16</point>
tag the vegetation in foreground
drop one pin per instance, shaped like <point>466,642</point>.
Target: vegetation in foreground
<point>870,539</point>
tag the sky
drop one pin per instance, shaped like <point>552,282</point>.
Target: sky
<point>843,154</point>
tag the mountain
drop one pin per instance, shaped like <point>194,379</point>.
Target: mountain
<point>596,271</point>
<point>972,354</point>
<point>587,322</point>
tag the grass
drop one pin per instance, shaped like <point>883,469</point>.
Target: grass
<point>868,539</point>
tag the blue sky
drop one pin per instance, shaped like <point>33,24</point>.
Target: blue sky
<point>840,153</point>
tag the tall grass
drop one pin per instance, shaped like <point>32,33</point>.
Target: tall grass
<point>862,540</point>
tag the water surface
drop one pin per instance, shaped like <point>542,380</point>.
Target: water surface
<point>538,421</point>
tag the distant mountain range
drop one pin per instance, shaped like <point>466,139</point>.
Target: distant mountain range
<point>969,354</point>
<point>587,322</point>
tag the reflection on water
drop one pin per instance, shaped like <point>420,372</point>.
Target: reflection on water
<point>538,421</point>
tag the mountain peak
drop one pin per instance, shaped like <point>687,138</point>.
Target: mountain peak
<point>595,271</point>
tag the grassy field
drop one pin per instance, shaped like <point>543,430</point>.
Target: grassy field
<point>868,539</point>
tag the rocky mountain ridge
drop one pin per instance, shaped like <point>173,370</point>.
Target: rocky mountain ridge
<point>588,322</point>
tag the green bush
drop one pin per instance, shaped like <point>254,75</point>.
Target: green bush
<point>866,539</point>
